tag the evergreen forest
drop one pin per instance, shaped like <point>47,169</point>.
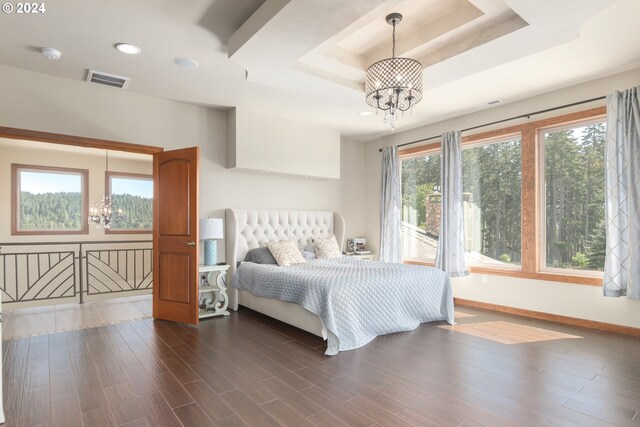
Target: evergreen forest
<point>62,211</point>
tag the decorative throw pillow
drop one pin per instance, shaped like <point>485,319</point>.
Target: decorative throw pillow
<point>327,247</point>
<point>286,253</point>
<point>260,256</point>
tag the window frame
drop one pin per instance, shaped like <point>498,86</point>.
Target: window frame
<point>530,197</point>
<point>17,168</point>
<point>543,198</point>
<point>107,181</point>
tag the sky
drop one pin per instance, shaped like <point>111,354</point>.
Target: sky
<point>135,187</point>
<point>47,182</point>
<point>38,182</point>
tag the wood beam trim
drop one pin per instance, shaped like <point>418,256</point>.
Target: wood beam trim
<point>548,276</point>
<point>530,193</point>
<point>556,318</point>
<point>422,149</point>
<point>78,141</point>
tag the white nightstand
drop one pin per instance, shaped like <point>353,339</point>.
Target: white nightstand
<point>368,257</point>
<point>216,301</point>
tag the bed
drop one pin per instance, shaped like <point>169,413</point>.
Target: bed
<point>356,300</point>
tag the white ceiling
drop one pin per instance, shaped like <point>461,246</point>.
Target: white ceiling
<point>305,59</point>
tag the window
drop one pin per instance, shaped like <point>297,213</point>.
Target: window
<point>533,199</point>
<point>492,182</point>
<point>133,195</point>
<point>574,191</point>
<point>420,206</point>
<point>49,200</point>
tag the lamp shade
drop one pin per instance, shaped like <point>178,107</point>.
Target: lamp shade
<point>211,228</point>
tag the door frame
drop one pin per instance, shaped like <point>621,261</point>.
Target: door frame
<point>80,141</point>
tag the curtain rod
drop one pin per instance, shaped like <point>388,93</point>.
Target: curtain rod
<point>522,116</point>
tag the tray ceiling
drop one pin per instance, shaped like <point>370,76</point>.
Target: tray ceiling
<point>306,59</point>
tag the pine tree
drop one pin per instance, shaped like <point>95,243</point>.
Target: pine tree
<point>597,249</point>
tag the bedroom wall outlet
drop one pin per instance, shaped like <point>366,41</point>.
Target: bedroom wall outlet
<point>484,279</point>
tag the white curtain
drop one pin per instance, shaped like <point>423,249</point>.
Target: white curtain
<point>390,205</point>
<point>622,159</point>
<point>450,253</point>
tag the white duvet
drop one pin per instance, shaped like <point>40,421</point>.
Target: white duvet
<point>356,300</point>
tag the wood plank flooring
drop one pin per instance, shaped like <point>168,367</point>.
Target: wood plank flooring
<point>248,370</point>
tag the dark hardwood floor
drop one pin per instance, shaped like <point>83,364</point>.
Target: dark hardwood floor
<point>246,369</point>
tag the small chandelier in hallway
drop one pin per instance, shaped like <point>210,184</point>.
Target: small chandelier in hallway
<point>103,214</point>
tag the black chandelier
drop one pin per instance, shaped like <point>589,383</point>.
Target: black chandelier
<point>394,84</point>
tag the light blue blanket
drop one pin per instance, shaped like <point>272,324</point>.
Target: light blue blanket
<point>357,300</point>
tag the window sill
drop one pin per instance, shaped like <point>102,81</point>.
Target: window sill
<point>551,277</point>
<point>110,231</point>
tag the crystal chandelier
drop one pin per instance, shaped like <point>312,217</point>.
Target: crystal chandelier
<point>104,213</point>
<point>394,84</point>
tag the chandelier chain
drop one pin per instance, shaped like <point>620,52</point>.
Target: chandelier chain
<point>393,49</point>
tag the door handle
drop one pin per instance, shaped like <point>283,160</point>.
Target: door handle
<point>190,244</point>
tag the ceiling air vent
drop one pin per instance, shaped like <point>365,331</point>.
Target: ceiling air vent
<point>106,79</point>
<point>489,103</point>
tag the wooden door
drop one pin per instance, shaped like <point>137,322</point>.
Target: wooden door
<point>175,235</point>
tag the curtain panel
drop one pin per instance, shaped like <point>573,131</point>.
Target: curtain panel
<point>390,206</point>
<point>622,208</point>
<point>450,252</point>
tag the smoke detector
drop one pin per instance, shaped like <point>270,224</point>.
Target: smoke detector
<point>51,53</point>
<point>186,63</point>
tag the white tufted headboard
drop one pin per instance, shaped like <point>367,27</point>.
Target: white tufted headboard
<point>252,228</point>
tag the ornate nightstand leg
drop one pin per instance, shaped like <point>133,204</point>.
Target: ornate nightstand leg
<point>220,302</point>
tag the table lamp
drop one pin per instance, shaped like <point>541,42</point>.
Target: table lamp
<point>210,229</point>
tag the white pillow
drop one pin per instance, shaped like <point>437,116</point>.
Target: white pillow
<point>327,247</point>
<point>285,252</point>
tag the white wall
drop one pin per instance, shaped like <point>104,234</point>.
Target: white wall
<point>579,301</point>
<point>261,142</point>
<point>44,103</point>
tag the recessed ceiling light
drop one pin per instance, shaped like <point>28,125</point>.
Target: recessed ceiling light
<point>365,113</point>
<point>127,48</point>
<point>186,62</point>
<point>51,53</point>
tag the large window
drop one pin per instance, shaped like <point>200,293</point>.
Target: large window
<point>49,200</point>
<point>133,195</point>
<point>492,181</point>
<point>533,199</point>
<point>420,206</point>
<point>574,190</point>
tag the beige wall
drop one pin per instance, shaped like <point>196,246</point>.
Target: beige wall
<point>579,301</point>
<point>42,154</point>
<point>40,102</point>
